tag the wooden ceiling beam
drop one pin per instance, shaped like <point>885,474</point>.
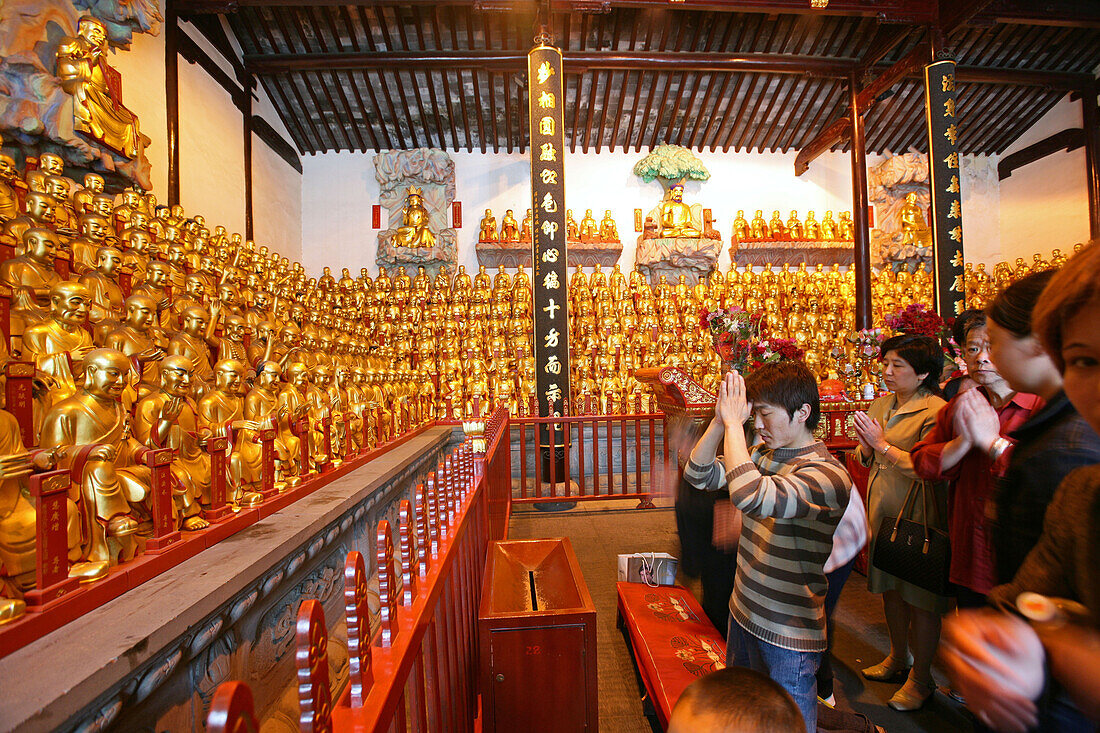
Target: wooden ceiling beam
<point>574,62</point>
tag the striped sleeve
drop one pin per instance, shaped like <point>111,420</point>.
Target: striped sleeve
<point>815,489</point>
<point>708,478</point>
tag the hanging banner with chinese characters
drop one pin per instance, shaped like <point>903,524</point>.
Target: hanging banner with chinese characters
<point>544,84</point>
<point>944,174</point>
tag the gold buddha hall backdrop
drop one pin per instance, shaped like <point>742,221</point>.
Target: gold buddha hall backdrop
<point>278,280</point>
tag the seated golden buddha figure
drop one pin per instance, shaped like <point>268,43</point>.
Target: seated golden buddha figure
<point>137,253</point>
<point>37,212</point>
<point>676,218</point>
<point>30,277</point>
<point>58,345</point>
<point>64,218</point>
<point>828,227</point>
<point>845,229</point>
<point>221,410</point>
<point>776,226</point>
<point>759,228</point>
<point>794,226</point>
<point>261,405</point>
<point>525,227</point>
<point>812,227</point>
<point>509,229</point>
<point>106,301</point>
<point>113,487</point>
<point>83,72</point>
<point>740,227</point>
<point>609,230</point>
<point>92,236</point>
<point>167,418</point>
<point>134,338</point>
<point>572,231</point>
<point>589,231</point>
<point>488,228</point>
<point>9,200</point>
<point>914,229</point>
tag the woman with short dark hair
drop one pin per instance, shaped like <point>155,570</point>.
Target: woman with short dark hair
<point>892,425</point>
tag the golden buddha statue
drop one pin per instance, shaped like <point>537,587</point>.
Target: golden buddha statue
<point>30,277</point>
<point>828,227</point>
<point>509,229</point>
<point>759,227</point>
<point>794,226</point>
<point>167,418</point>
<point>414,231</point>
<point>51,164</point>
<point>58,344</point>
<point>572,232</point>
<point>609,230</point>
<point>113,488</point>
<point>589,231</point>
<point>223,408</point>
<point>261,406</point>
<point>93,235</point>
<point>776,226</point>
<point>488,228</point>
<point>9,200</point>
<point>137,254</point>
<point>37,213</point>
<point>676,220</point>
<point>914,229</point>
<point>845,228</point>
<point>134,338</point>
<point>525,227</point>
<point>105,295</point>
<point>740,227</point>
<point>63,215</point>
<point>83,71</point>
<point>811,227</point>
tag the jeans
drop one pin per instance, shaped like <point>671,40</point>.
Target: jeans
<point>791,670</point>
<point>836,580</point>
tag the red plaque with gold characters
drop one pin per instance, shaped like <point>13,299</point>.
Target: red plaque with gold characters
<point>52,580</point>
<point>165,533</point>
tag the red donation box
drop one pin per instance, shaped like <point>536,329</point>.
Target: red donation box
<point>537,628</point>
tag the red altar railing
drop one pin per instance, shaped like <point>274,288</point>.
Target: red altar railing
<point>592,457</point>
<point>418,670</point>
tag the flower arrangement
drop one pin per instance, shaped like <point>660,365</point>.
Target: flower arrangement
<point>738,339</point>
<point>918,319</point>
<point>868,342</point>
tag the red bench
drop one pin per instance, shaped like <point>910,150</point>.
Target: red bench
<point>672,641</point>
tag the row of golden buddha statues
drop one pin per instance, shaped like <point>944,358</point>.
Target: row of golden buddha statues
<point>588,231</point>
<point>793,229</point>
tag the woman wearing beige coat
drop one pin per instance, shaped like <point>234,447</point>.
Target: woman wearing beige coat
<point>887,433</point>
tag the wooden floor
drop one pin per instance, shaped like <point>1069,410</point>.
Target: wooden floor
<point>600,533</point>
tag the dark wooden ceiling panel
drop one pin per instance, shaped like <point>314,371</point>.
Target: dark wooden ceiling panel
<point>325,69</point>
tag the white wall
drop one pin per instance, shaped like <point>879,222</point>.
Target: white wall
<point>339,190</point>
<point>1044,205</point>
<point>211,145</point>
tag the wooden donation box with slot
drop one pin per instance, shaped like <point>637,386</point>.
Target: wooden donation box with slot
<point>538,640</point>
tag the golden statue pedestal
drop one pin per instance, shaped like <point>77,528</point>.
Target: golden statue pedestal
<point>791,252</point>
<point>518,254</point>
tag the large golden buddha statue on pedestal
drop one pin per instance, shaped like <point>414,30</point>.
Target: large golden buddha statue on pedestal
<point>914,229</point>
<point>676,219</point>
<point>414,231</point>
<point>84,73</point>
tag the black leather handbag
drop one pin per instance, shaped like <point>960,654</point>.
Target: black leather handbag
<point>911,550</point>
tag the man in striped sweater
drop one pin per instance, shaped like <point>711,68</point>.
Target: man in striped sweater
<point>791,493</point>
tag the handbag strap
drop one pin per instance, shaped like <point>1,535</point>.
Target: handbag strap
<point>905,510</point>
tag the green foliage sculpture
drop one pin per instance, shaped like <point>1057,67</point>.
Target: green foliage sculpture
<point>672,164</point>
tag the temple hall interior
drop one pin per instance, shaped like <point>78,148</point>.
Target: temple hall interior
<point>549,365</point>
